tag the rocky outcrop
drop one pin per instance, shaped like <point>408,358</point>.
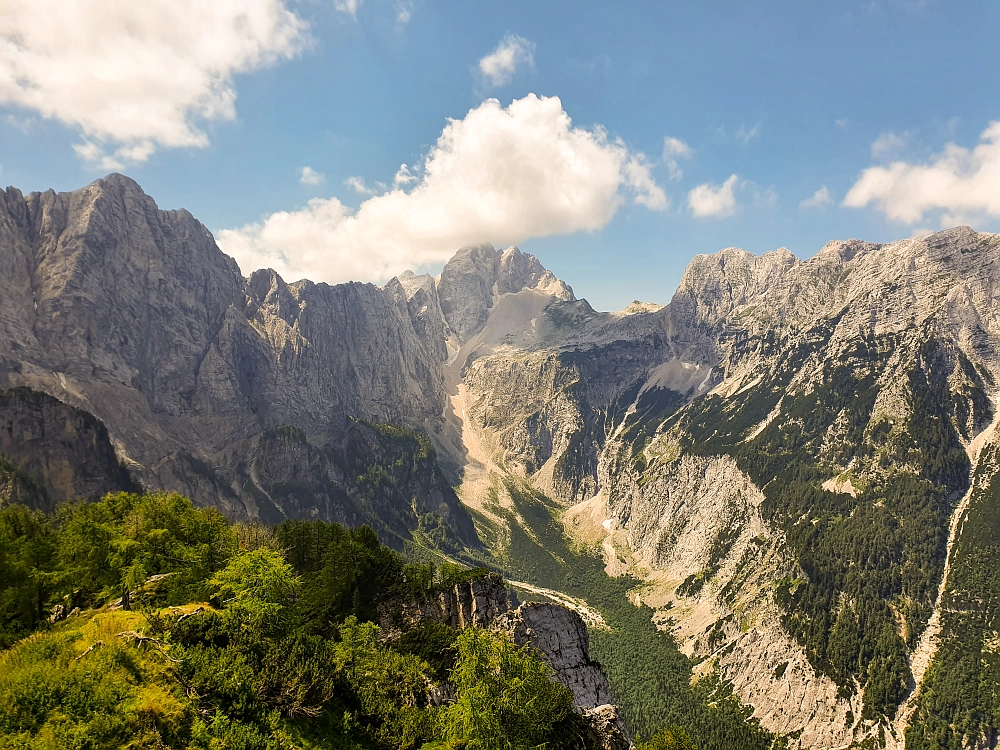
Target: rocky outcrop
<point>476,277</point>
<point>847,363</point>
<point>558,634</point>
<point>695,524</point>
<point>133,314</point>
<point>51,453</point>
<point>561,637</point>
<point>475,603</point>
<point>606,731</point>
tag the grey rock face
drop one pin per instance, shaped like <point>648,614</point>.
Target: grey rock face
<point>466,289</point>
<point>424,306</point>
<point>561,637</point>
<point>134,315</point>
<point>594,407</point>
<point>606,729</point>
<point>60,453</point>
<point>558,634</point>
<point>472,281</point>
<point>477,603</point>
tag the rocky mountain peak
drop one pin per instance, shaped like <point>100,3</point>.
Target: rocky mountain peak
<point>519,271</point>
<point>476,277</point>
<point>841,251</point>
<point>713,286</point>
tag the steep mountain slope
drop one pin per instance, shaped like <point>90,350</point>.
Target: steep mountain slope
<point>51,453</point>
<point>781,458</point>
<point>133,314</point>
<point>780,420</point>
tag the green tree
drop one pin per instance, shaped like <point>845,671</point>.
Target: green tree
<point>505,697</point>
<point>257,587</point>
<point>125,535</point>
<point>27,559</point>
<point>668,738</point>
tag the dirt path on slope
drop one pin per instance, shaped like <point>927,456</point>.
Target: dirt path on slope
<point>591,616</point>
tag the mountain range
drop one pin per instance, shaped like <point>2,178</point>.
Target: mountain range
<point>792,464</point>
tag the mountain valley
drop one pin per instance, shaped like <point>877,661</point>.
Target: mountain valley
<point>778,492</point>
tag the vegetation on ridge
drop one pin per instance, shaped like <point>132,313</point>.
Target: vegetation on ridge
<point>959,700</point>
<point>231,636</point>
<point>871,562</point>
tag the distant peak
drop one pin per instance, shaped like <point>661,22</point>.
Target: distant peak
<point>635,307</point>
<point>118,181</point>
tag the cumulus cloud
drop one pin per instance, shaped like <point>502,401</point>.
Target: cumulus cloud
<point>647,193</point>
<point>708,201</point>
<point>498,175</point>
<point>403,177</point>
<point>674,149</point>
<point>513,52</point>
<point>820,199</point>
<point>133,77</point>
<point>961,184</point>
<point>309,176</point>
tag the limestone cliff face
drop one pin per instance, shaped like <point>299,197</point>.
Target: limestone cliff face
<point>51,453</point>
<point>467,604</point>
<point>134,315</point>
<point>845,364</point>
<point>695,526</point>
<point>560,635</point>
<point>476,277</point>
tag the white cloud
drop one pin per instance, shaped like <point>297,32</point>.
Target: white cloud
<point>820,199</point>
<point>24,124</point>
<point>842,123</point>
<point>498,175</point>
<point>674,149</point>
<point>962,184</point>
<point>404,13</point>
<point>513,52</point>
<point>708,201</point>
<point>889,143</point>
<point>133,77</point>
<point>309,176</point>
<point>350,7</point>
<point>639,177</point>
<point>358,185</point>
<point>744,135</point>
<point>403,177</point>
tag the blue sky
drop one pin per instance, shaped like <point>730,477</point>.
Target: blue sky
<point>220,111</point>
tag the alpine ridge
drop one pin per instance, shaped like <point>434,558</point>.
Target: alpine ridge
<point>779,458</point>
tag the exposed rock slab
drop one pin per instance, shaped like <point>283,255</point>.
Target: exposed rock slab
<point>561,637</point>
<point>60,453</point>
